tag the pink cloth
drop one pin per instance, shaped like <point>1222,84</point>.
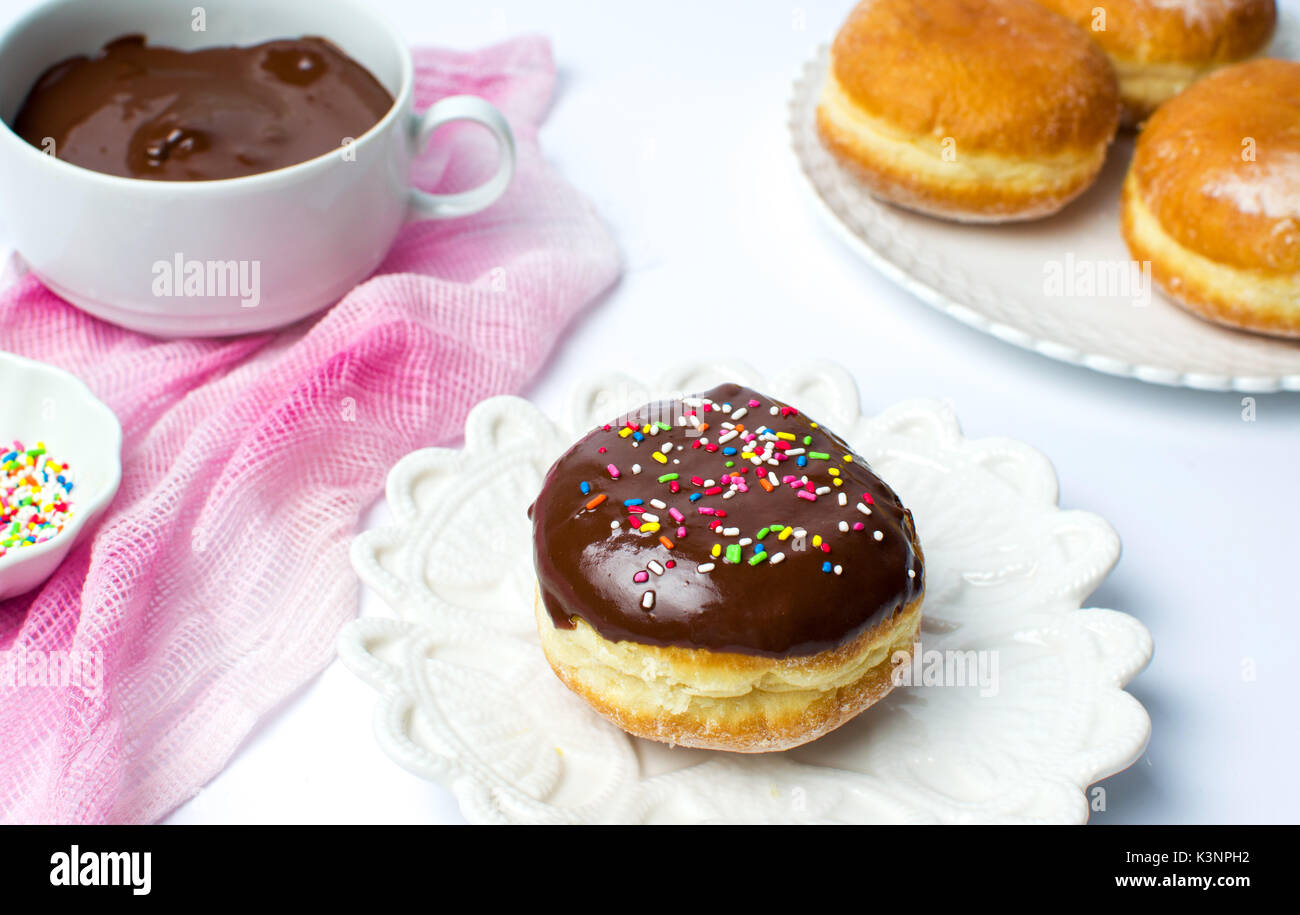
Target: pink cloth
<point>219,577</point>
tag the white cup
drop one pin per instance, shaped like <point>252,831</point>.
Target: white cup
<point>290,241</point>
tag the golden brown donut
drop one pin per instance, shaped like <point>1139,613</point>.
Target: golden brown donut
<point>1160,47</point>
<point>1212,198</point>
<point>722,572</point>
<point>975,110</point>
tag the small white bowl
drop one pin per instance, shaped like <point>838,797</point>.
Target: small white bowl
<point>48,404</point>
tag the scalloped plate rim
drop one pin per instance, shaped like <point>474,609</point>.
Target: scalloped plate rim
<point>1101,761</point>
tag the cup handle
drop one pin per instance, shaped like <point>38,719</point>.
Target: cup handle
<point>424,205</point>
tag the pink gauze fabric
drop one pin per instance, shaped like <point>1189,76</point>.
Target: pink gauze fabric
<point>218,579</point>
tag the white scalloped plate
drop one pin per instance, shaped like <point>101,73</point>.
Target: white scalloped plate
<point>467,699</point>
<point>995,278</point>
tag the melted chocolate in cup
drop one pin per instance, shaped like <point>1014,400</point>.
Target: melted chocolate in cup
<point>138,111</point>
<point>848,555</point>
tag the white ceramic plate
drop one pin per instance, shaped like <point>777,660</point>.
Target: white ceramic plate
<point>55,407</point>
<point>467,699</point>
<point>1011,280</point>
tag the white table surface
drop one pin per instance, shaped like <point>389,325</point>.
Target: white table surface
<point>671,117</point>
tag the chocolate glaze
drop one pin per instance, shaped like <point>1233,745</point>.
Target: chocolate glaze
<point>586,569</point>
<point>138,111</point>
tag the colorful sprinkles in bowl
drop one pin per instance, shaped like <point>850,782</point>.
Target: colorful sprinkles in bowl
<point>34,497</point>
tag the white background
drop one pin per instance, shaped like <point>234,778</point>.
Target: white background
<point>671,117</point>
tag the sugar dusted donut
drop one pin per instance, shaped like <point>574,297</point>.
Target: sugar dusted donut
<point>722,572</point>
<point>1212,198</point>
<point>974,110</point>
<point>1160,47</point>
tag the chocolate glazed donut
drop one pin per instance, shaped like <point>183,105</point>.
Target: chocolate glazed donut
<point>722,571</point>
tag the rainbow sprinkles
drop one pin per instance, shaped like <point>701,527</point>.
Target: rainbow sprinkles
<point>35,502</point>
<point>756,460</point>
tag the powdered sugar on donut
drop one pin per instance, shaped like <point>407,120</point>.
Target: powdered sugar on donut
<point>1270,188</point>
<point>1199,14</point>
